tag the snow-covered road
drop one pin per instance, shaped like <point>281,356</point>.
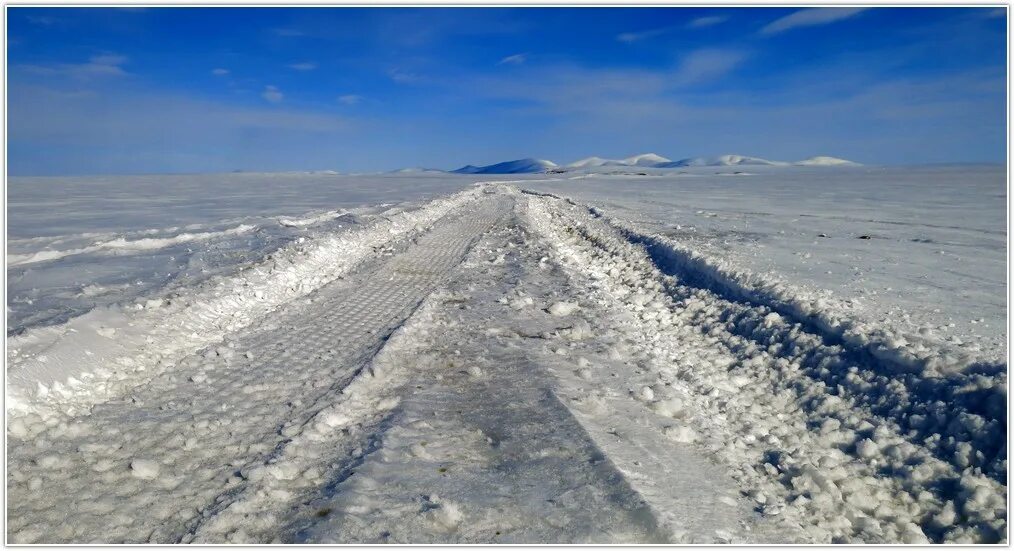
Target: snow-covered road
<point>503,366</point>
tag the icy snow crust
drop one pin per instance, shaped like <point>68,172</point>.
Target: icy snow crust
<point>497,365</point>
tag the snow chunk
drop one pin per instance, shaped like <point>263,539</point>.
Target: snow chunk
<point>684,435</point>
<point>447,515</point>
<point>145,469</point>
<point>563,308</point>
<point>867,448</point>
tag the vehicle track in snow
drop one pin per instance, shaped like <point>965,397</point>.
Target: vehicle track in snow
<point>482,447</point>
<point>207,434</point>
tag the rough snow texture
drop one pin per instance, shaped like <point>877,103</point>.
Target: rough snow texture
<point>841,444</point>
<point>497,366</point>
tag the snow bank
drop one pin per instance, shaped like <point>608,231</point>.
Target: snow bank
<point>120,244</point>
<point>851,445</point>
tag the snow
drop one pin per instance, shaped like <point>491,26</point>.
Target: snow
<point>595,161</point>
<point>144,468</point>
<point>562,308</point>
<point>646,159</point>
<point>75,244</point>
<point>936,264</point>
<point>585,358</point>
<point>823,160</point>
<point>722,160</point>
<point>827,494</point>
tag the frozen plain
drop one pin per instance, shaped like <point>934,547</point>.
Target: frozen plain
<point>597,356</point>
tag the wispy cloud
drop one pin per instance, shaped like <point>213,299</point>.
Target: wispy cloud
<point>698,23</point>
<point>219,72</point>
<point>637,36</point>
<point>810,17</point>
<point>350,99</point>
<point>516,59</point>
<point>567,90</point>
<point>402,77</point>
<point>707,64</point>
<point>303,66</point>
<point>97,66</point>
<point>272,94</point>
<point>998,12</point>
<point>707,21</point>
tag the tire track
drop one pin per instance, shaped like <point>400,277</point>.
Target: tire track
<point>201,440</point>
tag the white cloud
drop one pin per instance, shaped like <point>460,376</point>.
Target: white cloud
<point>998,12</point>
<point>632,37</point>
<point>707,21</point>
<point>97,66</point>
<point>350,99</point>
<point>303,66</point>
<point>516,59</point>
<point>219,72</point>
<point>706,64</point>
<point>810,17</point>
<point>402,77</point>
<point>272,94</point>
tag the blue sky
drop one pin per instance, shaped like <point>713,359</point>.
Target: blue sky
<point>94,91</point>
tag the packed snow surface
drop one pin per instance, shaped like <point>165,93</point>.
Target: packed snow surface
<point>600,357</point>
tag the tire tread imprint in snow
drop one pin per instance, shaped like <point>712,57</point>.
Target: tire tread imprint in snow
<point>156,464</point>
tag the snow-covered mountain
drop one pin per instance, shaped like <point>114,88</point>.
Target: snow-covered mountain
<point>722,160</point>
<point>520,166</point>
<point>644,160</point>
<point>595,161</point>
<point>822,160</point>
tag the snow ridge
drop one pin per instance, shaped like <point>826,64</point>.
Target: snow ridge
<point>926,432</point>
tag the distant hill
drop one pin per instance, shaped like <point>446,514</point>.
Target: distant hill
<point>520,166</point>
<point>644,160</point>
<point>722,160</point>
<point>821,160</point>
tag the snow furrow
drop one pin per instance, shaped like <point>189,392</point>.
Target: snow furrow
<point>793,416</point>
